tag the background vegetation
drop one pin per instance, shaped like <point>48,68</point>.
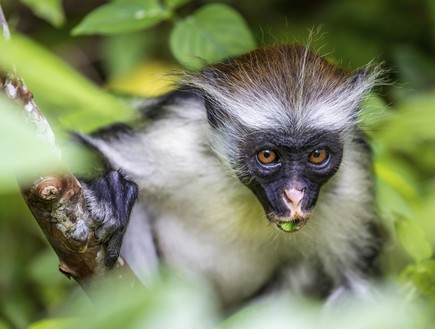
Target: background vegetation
<point>72,52</point>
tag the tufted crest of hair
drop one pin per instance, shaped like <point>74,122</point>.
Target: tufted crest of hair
<point>285,85</point>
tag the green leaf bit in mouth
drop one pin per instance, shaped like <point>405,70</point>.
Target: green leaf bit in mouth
<point>290,226</point>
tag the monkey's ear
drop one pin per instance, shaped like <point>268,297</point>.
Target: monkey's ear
<point>206,84</point>
<point>209,74</point>
<point>211,112</point>
<point>216,116</point>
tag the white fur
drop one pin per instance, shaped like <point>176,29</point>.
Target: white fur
<point>260,108</point>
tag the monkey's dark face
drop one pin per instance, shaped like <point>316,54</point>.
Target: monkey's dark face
<point>286,172</point>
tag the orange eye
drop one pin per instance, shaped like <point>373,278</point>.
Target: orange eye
<point>266,156</point>
<point>318,156</point>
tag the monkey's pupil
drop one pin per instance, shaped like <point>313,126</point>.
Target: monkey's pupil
<point>316,154</point>
<point>266,154</point>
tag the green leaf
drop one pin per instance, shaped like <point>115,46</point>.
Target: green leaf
<point>117,60</point>
<point>412,124</point>
<point>167,303</point>
<point>374,113</point>
<point>414,68</point>
<point>173,4</point>
<point>212,33</point>
<point>288,226</point>
<point>122,17</point>
<point>422,276</point>
<point>50,10</point>
<point>431,6</point>
<point>3,325</point>
<point>412,238</point>
<point>389,172</point>
<point>58,89</point>
<point>426,214</point>
<point>22,153</point>
<point>53,324</point>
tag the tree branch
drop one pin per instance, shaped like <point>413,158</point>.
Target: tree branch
<point>56,198</point>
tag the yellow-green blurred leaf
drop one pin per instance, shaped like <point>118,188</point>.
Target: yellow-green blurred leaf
<point>412,238</point>
<point>165,303</point>
<point>414,122</point>
<point>388,172</point>
<point>391,203</point>
<point>53,324</point>
<point>149,79</point>
<point>44,273</point>
<point>374,113</point>
<point>426,214</point>
<point>422,276</point>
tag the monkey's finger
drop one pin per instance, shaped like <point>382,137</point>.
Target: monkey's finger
<point>112,247</point>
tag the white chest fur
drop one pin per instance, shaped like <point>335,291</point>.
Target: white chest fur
<point>238,255</point>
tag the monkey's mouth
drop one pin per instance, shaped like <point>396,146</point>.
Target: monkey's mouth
<point>292,225</point>
<point>289,225</point>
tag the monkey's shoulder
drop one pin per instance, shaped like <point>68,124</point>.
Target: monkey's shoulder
<point>168,146</point>
<point>160,107</point>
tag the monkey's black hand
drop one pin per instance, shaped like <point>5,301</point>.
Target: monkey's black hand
<point>110,200</point>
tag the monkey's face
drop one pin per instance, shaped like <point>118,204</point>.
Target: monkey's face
<point>286,172</point>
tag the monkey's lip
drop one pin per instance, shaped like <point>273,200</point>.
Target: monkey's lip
<point>290,225</point>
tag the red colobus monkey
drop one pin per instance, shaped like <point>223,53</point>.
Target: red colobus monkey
<point>254,173</point>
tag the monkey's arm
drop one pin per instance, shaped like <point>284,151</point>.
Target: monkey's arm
<point>121,221</point>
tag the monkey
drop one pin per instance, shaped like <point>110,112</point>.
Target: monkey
<point>254,173</point>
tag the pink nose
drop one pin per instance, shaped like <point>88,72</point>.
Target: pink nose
<point>294,195</point>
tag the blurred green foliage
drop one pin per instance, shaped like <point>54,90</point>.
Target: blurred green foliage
<point>69,51</point>
<point>123,17</point>
<point>212,33</point>
<point>50,10</point>
<point>209,34</point>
